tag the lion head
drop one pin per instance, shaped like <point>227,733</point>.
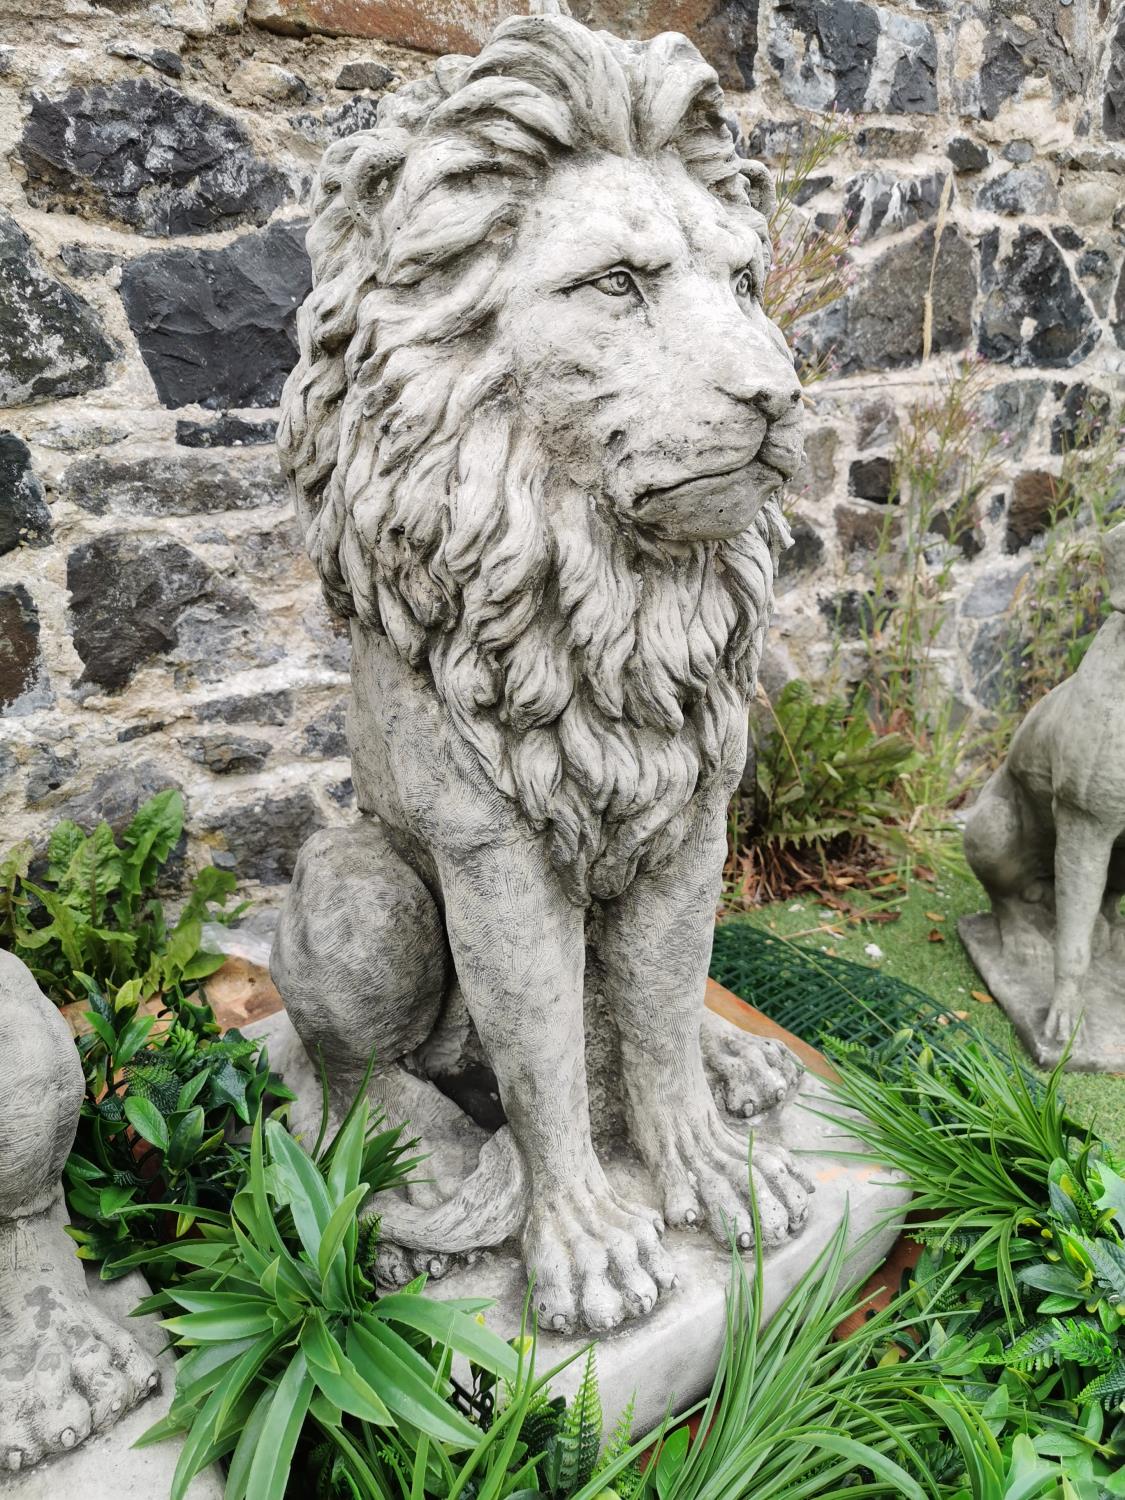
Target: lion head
<point>539,417</point>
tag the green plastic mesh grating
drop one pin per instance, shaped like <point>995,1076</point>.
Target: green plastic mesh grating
<point>815,995</point>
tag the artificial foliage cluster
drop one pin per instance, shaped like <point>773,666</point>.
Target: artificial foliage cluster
<point>93,912</point>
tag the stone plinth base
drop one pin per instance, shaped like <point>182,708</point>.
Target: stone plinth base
<point>670,1357</point>
<point>1022,983</point>
<point>107,1466</point>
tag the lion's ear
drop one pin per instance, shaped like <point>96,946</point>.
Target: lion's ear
<point>366,175</point>
<point>759,186</point>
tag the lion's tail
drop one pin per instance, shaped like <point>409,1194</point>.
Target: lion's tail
<point>490,1206</point>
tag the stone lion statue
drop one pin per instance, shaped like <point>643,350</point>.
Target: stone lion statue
<point>534,436</point>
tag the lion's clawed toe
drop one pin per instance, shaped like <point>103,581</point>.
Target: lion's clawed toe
<point>67,1372</point>
<point>596,1260</point>
<point>397,1266</point>
<point>704,1173</point>
<point>749,1074</point>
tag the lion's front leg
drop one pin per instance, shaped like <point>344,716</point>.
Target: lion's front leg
<point>519,949</point>
<point>654,949</point>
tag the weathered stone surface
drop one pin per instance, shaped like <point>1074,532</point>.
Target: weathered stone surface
<point>888,141</point>
<point>1003,71</point>
<point>864,528</point>
<point>876,423</point>
<point>993,659</point>
<point>426,28</point>
<point>1022,190</point>
<point>148,156</point>
<point>967,155</point>
<point>227,754</point>
<point>877,325</point>
<point>825,52</point>
<point>992,593</point>
<point>23,677</point>
<point>802,557</point>
<point>878,203</point>
<point>51,342</point>
<point>872,478</point>
<point>1033,314</point>
<point>1030,508</point>
<point>132,600</point>
<point>726,31</point>
<point>364,75</point>
<point>851,612</point>
<point>1010,409</point>
<point>271,707</point>
<point>1096,269</point>
<point>48,771</point>
<point>255,80</point>
<point>325,737</point>
<point>25,520</point>
<point>86,261</point>
<point>1018,151</point>
<point>1083,415</point>
<point>1113,101</point>
<point>165,484</point>
<point>227,432</point>
<point>261,840</point>
<point>1117,312</point>
<point>114,795</point>
<point>216,326</point>
<point>1067,236</point>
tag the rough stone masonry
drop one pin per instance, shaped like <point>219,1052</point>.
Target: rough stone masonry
<point>158,623</point>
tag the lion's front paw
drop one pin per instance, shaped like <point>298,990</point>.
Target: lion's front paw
<point>65,1371</point>
<point>704,1169</point>
<point>596,1260</point>
<point>749,1074</point>
<point>1064,1013</point>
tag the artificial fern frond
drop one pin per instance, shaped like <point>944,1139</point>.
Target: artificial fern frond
<point>1033,1350</point>
<point>1108,1388</point>
<point>1085,1342</point>
<point>581,1431</point>
<point>620,1437</point>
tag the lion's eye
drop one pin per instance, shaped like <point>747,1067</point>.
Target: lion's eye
<point>615,284</point>
<point>745,284</point>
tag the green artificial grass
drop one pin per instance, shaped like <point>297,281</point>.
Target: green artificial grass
<point>940,969</point>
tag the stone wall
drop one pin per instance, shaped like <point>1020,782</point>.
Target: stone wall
<point>158,623</point>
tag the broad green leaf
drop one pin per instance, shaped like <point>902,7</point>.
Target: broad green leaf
<point>669,1465</point>
<point>343,1385</point>
<point>343,1217</point>
<point>238,1475</point>
<point>65,840</point>
<point>111,1199</point>
<point>447,1324</point>
<point>1112,1194</point>
<point>149,840</point>
<point>186,1139</point>
<point>133,1039</point>
<point>147,1121</point>
<point>273,1456</point>
<point>387,1363</point>
<point>220,1327</point>
<point>305,1190</point>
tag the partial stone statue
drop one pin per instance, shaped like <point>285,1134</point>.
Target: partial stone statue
<point>535,436</point>
<point>1046,839</point>
<point>66,1370</point>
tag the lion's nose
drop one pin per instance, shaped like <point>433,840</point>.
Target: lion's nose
<point>774,397</point>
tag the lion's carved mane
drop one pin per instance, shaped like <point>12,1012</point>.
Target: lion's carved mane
<point>600,676</point>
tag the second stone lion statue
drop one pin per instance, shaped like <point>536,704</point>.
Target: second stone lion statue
<point>534,435</point>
